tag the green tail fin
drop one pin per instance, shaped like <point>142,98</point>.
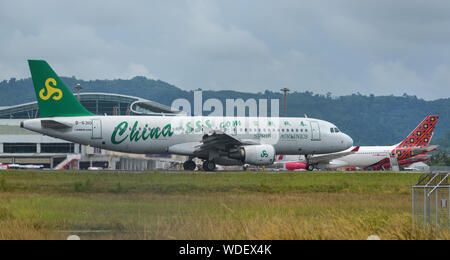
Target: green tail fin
<point>54,98</point>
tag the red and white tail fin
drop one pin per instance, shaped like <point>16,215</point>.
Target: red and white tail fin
<point>421,136</point>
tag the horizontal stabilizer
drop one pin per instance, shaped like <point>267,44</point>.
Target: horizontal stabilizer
<point>52,124</point>
<point>432,148</point>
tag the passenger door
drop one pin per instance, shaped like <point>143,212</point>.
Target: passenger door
<point>315,131</point>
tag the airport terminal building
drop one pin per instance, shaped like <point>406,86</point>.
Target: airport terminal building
<point>19,146</point>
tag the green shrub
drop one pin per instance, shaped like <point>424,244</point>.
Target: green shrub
<point>83,187</point>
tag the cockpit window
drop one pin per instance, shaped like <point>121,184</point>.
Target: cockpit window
<point>332,130</point>
<point>337,130</point>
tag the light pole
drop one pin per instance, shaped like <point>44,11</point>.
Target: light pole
<point>78,87</point>
<point>285,90</point>
<point>78,150</point>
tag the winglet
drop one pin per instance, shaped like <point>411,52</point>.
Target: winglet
<point>356,149</point>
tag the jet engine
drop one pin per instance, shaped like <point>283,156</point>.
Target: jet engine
<point>263,154</point>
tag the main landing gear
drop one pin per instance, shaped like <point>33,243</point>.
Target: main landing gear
<point>189,165</point>
<point>209,166</point>
<point>310,167</point>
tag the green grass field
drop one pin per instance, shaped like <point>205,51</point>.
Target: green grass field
<point>152,205</point>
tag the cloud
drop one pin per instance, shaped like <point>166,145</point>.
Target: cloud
<point>442,75</point>
<point>392,76</point>
<point>134,70</point>
<point>395,78</point>
<point>343,47</point>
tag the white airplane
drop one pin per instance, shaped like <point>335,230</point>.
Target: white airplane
<point>27,166</point>
<point>215,140</point>
<point>417,143</point>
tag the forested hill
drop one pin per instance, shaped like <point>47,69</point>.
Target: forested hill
<point>370,120</point>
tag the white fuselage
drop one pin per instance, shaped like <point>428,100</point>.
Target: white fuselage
<point>183,134</point>
<point>365,157</point>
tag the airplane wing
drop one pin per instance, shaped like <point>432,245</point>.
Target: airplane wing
<point>219,141</point>
<point>329,157</point>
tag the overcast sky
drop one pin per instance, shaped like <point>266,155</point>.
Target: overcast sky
<point>343,47</point>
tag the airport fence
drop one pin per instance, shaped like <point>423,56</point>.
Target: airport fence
<point>431,202</point>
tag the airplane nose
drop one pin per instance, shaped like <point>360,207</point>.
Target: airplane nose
<point>347,142</point>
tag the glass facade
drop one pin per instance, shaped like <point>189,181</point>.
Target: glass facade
<point>19,148</point>
<point>57,148</point>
